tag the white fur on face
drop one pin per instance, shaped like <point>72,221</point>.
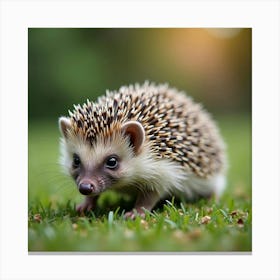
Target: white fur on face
<point>93,155</point>
<point>143,171</point>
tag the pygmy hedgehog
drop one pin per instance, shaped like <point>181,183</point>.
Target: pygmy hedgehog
<point>148,140</point>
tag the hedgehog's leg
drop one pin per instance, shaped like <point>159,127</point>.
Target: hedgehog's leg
<point>146,200</point>
<point>88,204</point>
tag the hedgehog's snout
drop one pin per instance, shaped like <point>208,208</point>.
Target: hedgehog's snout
<point>86,188</point>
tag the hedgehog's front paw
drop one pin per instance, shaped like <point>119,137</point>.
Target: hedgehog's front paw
<point>84,207</point>
<point>144,201</point>
<point>134,213</point>
<point>87,205</point>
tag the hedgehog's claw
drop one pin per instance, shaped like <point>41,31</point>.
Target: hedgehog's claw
<point>134,213</point>
<point>144,201</point>
<point>88,205</point>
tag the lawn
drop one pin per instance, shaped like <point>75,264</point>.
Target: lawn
<point>173,226</point>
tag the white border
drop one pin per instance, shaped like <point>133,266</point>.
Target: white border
<point>17,16</point>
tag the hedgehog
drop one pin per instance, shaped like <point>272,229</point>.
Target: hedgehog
<point>149,141</point>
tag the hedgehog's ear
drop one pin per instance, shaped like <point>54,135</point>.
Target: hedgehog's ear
<point>136,133</point>
<point>64,124</point>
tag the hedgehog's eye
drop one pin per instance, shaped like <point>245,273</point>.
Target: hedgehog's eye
<point>111,162</point>
<point>76,161</point>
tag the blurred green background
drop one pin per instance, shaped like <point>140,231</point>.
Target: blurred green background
<point>67,66</point>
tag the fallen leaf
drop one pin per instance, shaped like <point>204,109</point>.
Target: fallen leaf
<point>180,212</point>
<point>205,219</point>
<point>240,222</point>
<point>37,218</point>
<point>233,213</point>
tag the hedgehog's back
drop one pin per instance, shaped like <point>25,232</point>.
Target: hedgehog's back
<point>176,128</point>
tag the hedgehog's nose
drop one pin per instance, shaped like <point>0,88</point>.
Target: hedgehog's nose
<point>85,189</point>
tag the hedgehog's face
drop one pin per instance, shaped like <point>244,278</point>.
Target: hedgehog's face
<point>106,163</point>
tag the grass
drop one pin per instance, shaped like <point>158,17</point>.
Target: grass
<point>173,226</point>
